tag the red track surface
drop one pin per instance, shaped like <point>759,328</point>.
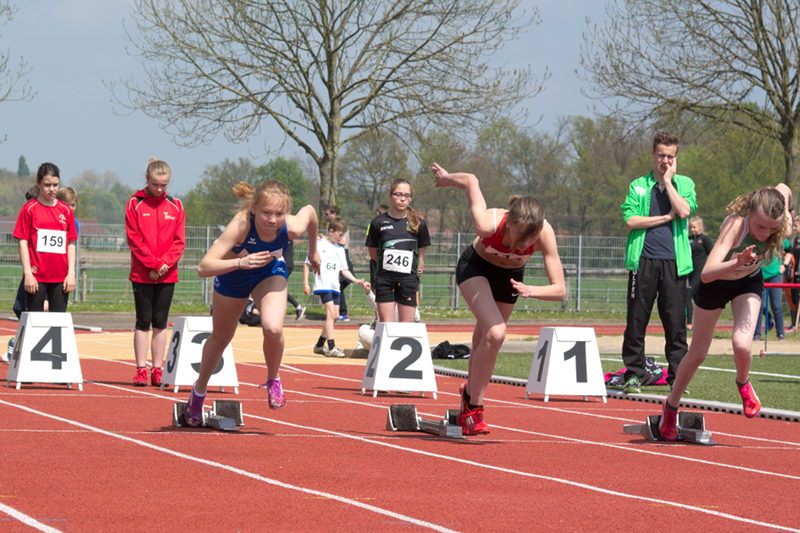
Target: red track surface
<point>108,458</point>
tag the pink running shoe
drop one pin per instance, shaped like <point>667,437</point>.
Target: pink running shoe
<point>140,379</point>
<point>274,393</point>
<point>472,423</point>
<point>751,405</point>
<point>194,409</point>
<point>667,427</point>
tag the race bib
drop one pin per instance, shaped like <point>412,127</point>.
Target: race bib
<point>398,260</point>
<point>51,241</point>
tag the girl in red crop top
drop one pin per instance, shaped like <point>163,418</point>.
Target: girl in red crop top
<point>489,276</point>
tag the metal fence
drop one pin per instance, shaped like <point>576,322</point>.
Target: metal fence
<point>593,266</point>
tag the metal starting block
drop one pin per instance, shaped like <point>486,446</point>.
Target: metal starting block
<point>225,415</point>
<point>403,417</point>
<point>691,429</point>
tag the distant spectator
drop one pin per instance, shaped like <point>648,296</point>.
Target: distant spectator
<point>701,246</point>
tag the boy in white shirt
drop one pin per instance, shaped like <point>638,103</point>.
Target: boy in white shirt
<point>326,283</point>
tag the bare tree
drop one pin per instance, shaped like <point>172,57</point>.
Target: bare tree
<point>13,79</point>
<point>325,71</point>
<point>724,60</point>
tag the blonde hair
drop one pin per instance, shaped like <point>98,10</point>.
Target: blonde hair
<point>252,197</point>
<point>412,217</point>
<point>67,195</point>
<point>527,213</point>
<point>337,224</point>
<point>770,202</point>
<point>157,167</point>
<point>699,222</point>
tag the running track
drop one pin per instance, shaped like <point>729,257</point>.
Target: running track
<point>108,458</point>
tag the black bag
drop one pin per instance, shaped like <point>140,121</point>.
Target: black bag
<point>445,350</point>
<point>248,317</point>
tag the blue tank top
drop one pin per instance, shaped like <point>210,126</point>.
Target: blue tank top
<point>253,243</point>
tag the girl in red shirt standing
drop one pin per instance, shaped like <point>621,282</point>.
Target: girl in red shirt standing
<point>155,225</point>
<point>46,234</point>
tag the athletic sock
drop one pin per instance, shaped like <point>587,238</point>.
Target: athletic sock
<point>673,409</point>
<point>473,406</point>
<point>331,344</point>
<point>320,342</point>
<point>740,385</point>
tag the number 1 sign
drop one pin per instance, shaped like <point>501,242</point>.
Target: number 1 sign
<point>399,359</point>
<point>566,363</point>
<point>45,351</point>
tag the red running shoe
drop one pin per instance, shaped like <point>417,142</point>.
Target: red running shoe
<point>471,422</point>
<point>155,377</point>
<point>667,427</point>
<point>751,405</point>
<point>140,379</point>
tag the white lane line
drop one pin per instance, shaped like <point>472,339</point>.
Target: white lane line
<point>554,409</point>
<point>27,520</point>
<point>234,470</point>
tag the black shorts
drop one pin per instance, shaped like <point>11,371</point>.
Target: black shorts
<point>471,265</point>
<point>329,296</point>
<point>152,302</point>
<point>717,294</point>
<point>401,292</point>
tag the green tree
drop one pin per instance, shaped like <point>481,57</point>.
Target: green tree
<point>710,60</point>
<point>211,202</point>
<point>290,173</point>
<point>606,157</point>
<point>101,196</point>
<point>22,167</point>
<point>325,72</point>
<point>369,165</point>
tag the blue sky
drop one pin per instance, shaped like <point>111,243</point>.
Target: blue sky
<point>74,46</point>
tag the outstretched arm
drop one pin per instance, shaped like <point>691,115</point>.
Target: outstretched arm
<point>482,217</point>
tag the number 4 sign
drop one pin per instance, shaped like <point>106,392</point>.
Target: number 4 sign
<point>45,351</point>
<point>399,359</point>
<point>566,363</point>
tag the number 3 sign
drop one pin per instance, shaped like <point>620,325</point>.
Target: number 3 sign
<point>566,363</point>
<point>399,359</point>
<point>45,351</point>
<point>185,352</point>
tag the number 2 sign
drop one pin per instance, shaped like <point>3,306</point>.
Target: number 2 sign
<point>567,363</point>
<point>399,359</point>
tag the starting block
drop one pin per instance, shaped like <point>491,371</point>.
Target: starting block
<point>691,429</point>
<point>403,417</point>
<point>225,415</point>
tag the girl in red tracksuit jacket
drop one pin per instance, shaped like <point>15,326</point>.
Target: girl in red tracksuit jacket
<point>155,225</point>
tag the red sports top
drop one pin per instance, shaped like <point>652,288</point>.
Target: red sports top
<point>155,226</point>
<point>494,245</point>
<point>48,230</point>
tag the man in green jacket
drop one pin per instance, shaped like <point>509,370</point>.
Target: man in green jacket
<point>658,257</point>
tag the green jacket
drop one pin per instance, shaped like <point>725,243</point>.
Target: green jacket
<point>637,203</point>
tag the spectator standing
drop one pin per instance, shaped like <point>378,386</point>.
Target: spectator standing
<point>46,233</point>
<point>155,227</point>
<point>658,257</point>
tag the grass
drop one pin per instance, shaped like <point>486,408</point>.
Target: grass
<point>777,391</point>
